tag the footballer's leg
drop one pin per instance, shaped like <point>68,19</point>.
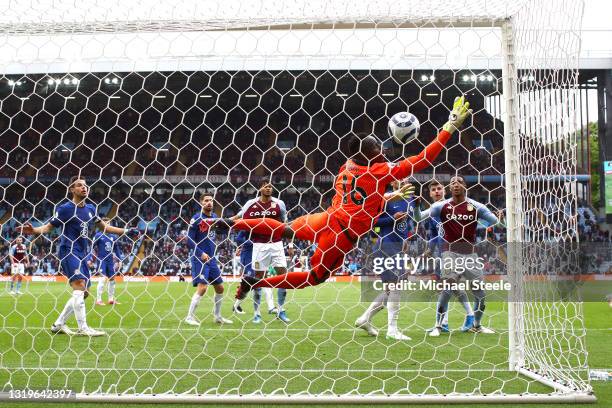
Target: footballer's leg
<point>479,309</point>
<point>13,276</point>
<point>279,265</point>
<point>447,274</point>
<point>365,320</point>
<point>19,279</point>
<point>80,292</point>
<point>441,312</point>
<point>306,227</point>
<point>198,281</point>
<point>212,272</point>
<point>111,274</point>
<point>111,291</point>
<point>256,305</point>
<point>475,274</point>
<point>333,243</point>
<point>101,285</point>
<point>393,304</point>
<point>77,272</point>
<point>462,297</point>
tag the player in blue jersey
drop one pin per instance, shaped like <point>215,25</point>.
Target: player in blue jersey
<point>75,218</point>
<point>109,256</point>
<point>204,267</point>
<point>435,235</point>
<point>245,250</point>
<point>394,225</point>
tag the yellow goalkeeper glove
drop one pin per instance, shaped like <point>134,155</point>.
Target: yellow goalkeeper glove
<point>461,110</point>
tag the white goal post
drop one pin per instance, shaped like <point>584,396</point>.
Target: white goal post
<point>305,72</point>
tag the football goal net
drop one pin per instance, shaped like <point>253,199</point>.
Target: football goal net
<point>156,105</point>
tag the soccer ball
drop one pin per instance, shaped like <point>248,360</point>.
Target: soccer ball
<point>404,127</point>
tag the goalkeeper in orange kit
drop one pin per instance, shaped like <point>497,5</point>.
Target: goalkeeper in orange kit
<point>359,200</point>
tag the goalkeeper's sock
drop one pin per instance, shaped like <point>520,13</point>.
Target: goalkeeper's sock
<point>100,290</point>
<point>297,280</point>
<point>376,306</point>
<point>267,292</point>
<point>256,300</point>
<point>66,313</point>
<point>218,301</point>
<point>281,295</point>
<point>393,307</point>
<point>111,290</point>
<point>265,226</point>
<point>195,301</point>
<point>79,309</point>
<point>291,280</point>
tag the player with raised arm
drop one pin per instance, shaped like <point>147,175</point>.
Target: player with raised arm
<point>267,252</point>
<point>360,188</point>
<point>394,226</point>
<point>18,255</point>
<point>75,217</point>
<point>459,216</point>
<point>109,256</point>
<point>204,267</point>
<point>436,238</point>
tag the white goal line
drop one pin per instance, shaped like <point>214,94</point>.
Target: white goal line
<point>264,370</point>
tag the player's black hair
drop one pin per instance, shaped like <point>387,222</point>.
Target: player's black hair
<point>363,150</point>
<point>265,181</point>
<point>461,178</point>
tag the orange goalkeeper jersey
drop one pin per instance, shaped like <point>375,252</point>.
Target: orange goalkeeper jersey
<point>360,190</point>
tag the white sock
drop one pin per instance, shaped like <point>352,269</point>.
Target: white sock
<point>80,313</point>
<point>66,313</point>
<point>465,301</point>
<point>393,307</point>
<point>267,292</point>
<point>100,290</point>
<point>195,301</point>
<point>376,306</point>
<point>111,290</point>
<point>218,301</point>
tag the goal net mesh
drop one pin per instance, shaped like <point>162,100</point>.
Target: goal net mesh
<point>155,104</point>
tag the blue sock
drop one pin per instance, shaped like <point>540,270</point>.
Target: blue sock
<point>256,299</point>
<point>12,283</point>
<point>18,285</point>
<point>281,295</point>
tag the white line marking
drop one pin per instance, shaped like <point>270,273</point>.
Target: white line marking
<point>264,370</point>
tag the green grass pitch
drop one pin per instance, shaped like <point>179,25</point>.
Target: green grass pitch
<point>149,350</point>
